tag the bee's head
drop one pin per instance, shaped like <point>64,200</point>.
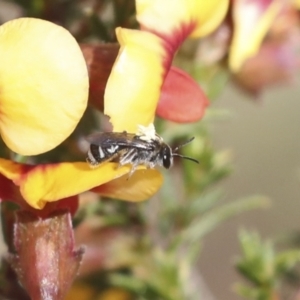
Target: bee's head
<point>166,156</point>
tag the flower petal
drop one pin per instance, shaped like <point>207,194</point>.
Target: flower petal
<point>12,170</point>
<point>252,20</point>
<point>43,83</point>
<point>51,182</point>
<point>9,173</point>
<point>210,15</point>
<point>181,99</point>
<point>140,186</point>
<point>273,64</point>
<point>133,87</point>
<point>296,3</point>
<point>70,204</point>
<point>183,17</point>
<point>8,190</point>
<point>145,57</point>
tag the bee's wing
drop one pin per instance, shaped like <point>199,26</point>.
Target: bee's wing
<point>106,138</point>
<point>120,139</point>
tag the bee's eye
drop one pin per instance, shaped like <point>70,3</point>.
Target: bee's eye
<point>166,158</point>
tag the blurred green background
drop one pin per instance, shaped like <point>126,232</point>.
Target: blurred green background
<point>264,139</point>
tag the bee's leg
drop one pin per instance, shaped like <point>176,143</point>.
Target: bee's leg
<point>130,157</point>
<point>153,161</point>
<point>127,157</point>
<point>151,165</point>
<point>148,165</point>
<point>134,164</point>
<point>124,158</point>
<point>133,168</point>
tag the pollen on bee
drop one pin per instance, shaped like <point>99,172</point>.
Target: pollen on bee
<point>146,133</point>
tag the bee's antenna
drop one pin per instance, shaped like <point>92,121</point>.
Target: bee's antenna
<point>180,146</point>
<point>185,157</point>
<point>182,156</point>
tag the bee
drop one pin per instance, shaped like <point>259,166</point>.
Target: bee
<point>144,148</point>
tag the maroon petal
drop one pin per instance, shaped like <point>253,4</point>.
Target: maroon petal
<point>10,192</point>
<point>99,59</point>
<point>181,100</point>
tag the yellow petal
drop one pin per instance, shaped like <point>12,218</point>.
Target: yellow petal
<point>209,13</point>
<point>43,84</point>
<point>296,3</point>
<point>168,17</point>
<point>51,182</point>
<point>133,88</point>
<point>140,186</point>
<point>252,20</point>
<point>11,169</point>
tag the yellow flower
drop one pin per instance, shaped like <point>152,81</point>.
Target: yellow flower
<point>252,20</point>
<point>43,84</point>
<point>44,183</point>
<point>131,97</point>
<point>145,57</point>
<point>297,3</point>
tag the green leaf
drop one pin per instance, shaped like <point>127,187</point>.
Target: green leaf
<point>209,221</point>
<point>286,261</point>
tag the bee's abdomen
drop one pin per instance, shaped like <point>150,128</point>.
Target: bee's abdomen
<point>93,155</point>
<point>98,154</point>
